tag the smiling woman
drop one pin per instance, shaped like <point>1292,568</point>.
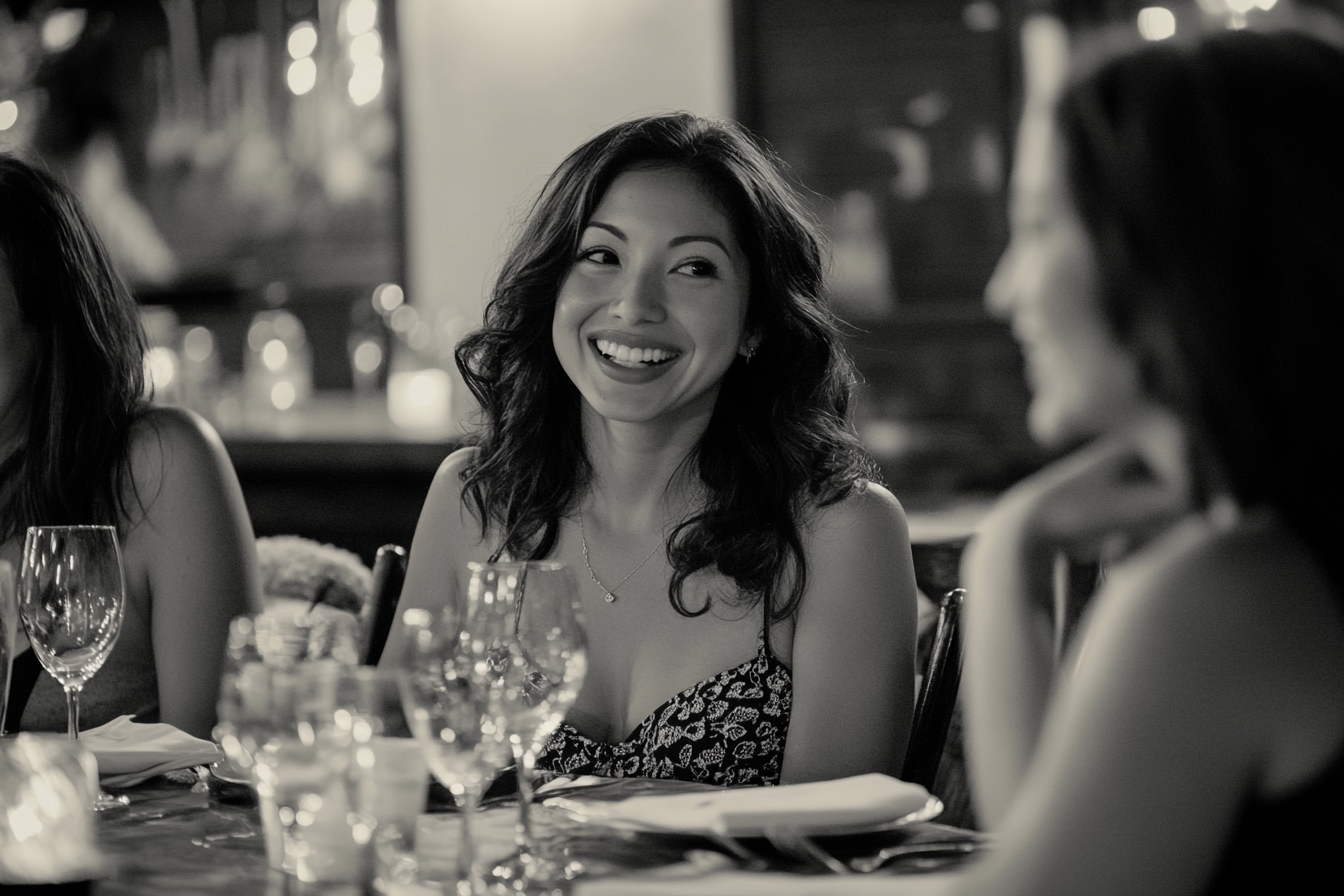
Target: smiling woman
<point>664,402</point>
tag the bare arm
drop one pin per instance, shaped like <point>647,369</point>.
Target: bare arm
<point>1075,506</point>
<point>854,643</point>
<point>195,549</point>
<point>444,538</point>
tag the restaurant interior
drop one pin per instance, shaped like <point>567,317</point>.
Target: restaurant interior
<point>310,200</point>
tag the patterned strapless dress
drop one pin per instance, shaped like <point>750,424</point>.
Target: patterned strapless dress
<point>728,729</point>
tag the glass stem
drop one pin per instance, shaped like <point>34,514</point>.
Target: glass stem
<point>525,760</point>
<point>469,879</point>
<point>72,710</point>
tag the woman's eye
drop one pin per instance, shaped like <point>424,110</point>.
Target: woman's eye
<point>698,268</point>
<point>599,255</point>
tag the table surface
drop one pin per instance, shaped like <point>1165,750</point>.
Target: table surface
<point>174,839</point>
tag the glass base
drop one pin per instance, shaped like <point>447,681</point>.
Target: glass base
<point>105,800</point>
<point>532,875</point>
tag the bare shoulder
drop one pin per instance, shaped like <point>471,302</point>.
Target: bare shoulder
<point>170,444</point>
<point>858,554</point>
<point>447,524</point>
<point>1247,619</point>
<point>449,474</point>
<point>1241,589</point>
<point>868,514</point>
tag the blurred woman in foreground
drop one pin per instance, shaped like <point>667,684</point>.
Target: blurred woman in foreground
<point>79,445</point>
<point>1176,278</point>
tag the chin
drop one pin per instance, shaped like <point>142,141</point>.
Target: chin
<point>1055,425</point>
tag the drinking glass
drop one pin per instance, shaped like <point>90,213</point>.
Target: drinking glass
<point>448,713</point>
<point>526,635</point>
<point>291,707</point>
<point>292,727</point>
<point>72,597</point>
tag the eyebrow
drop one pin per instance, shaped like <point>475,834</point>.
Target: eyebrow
<point>672,243</point>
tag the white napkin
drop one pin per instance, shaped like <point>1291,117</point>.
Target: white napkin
<point>746,811</point>
<point>130,752</point>
<point>666,882</point>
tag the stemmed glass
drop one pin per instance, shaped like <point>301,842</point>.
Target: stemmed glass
<point>72,597</point>
<point>447,711</point>
<point>526,635</point>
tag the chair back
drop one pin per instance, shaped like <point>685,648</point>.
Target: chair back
<point>389,573</point>
<point>937,695</point>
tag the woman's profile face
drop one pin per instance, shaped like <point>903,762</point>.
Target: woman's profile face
<point>652,311</point>
<point>16,358</point>
<point>1082,380</point>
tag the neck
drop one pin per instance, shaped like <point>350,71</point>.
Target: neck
<point>641,475</point>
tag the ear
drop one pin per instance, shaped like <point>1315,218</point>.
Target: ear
<point>750,342</point>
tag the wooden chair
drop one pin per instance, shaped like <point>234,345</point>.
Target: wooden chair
<point>389,572</point>
<point>937,695</point>
<point>935,756</point>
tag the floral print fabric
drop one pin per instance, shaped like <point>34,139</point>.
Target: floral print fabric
<point>727,730</point>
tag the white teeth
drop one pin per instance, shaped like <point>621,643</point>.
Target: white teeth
<point>627,356</point>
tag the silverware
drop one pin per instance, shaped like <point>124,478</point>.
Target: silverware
<point>867,864</point>
<point>798,846</point>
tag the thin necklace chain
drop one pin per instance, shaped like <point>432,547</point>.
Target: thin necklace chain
<point>609,594</point>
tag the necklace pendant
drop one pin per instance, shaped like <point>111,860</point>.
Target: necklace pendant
<point>610,598</point>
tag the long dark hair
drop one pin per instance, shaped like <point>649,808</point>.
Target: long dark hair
<point>778,441</point>
<point>1210,173</point>
<point>87,375</point>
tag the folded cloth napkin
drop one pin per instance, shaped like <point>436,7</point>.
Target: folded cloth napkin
<point>129,752</point>
<point>667,882</point>
<point>748,811</point>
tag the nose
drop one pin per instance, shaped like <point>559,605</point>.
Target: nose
<point>1000,288</point>
<point>641,297</point>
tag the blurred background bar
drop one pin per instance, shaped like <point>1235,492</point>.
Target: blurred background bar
<point>310,199</point>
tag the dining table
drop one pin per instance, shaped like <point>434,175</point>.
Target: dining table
<point>178,837</point>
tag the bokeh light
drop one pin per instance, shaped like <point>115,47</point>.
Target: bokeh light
<point>1156,23</point>
<point>198,344</point>
<point>302,40</point>
<point>360,16</point>
<point>388,297</point>
<point>301,76</point>
<point>366,81</point>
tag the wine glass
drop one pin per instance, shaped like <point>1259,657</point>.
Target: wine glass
<point>527,638</point>
<point>72,597</point>
<point>447,711</point>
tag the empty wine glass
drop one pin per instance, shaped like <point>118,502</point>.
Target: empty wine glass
<point>526,635</point>
<point>72,597</point>
<point>448,713</point>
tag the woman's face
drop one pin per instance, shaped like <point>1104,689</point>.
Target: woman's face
<point>1083,381</point>
<point>16,359</point>
<point>652,311</point>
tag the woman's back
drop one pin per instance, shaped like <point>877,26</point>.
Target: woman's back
<point>190,566</point>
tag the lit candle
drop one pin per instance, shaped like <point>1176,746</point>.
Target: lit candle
<point>419,399</point>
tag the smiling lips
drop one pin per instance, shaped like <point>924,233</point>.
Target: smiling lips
<point>628,356</point>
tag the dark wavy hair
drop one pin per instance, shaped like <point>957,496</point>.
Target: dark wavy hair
<point>778,442</point>
<point>87,376</point>
<point>1210,173</point>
